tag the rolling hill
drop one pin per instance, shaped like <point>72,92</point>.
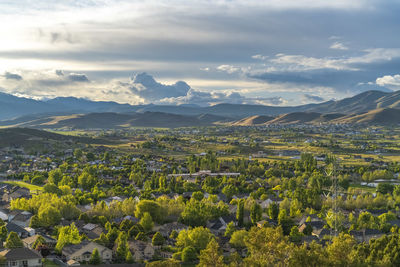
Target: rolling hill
<point>26,137</point>
<point>109,120</point>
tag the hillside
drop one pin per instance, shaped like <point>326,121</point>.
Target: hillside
<point>26,137</point>
<point>110,120</point>
<point>253,121</point>
<point>385,116</point>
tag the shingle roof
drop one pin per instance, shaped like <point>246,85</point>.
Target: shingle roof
<point>20,254</point>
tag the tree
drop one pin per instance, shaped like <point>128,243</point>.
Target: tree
<point>230,228</point>
<point>255,213</point>
<point>67,235</point>
<point>197,238</point>
<point>3,234</point>
<point>339,250</point>
<point>188,254</point>
<point>273,211</point>
<point>295,235</point>
<point>284,221</point>
<point>146,222</point>
<point>129,258</point>
<point>267,247</point>
<point>13,241</point>
<point>48,216</point>
<point>238,239</point>
<point>384,188</point>
<point>312,255</point>
<point>211,256</point>
<point>40,241</point>
<point>95,258</point>
<point>240,212</point>
<point>122,247</point>
<point>151,207</point>
<point>55,176</point>
<point>158,239</point>
<point>229,191</point>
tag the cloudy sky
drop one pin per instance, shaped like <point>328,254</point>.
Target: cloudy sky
<point>274,52</point>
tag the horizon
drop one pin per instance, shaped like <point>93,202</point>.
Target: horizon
<point>275,53</point>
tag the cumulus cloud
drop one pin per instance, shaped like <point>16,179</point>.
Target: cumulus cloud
<point>390,81</point>
<point>311,98</point>
<point>146,87</point>
<point>338,46</point>
<point>12,76</point>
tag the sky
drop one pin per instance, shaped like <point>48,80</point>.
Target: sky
<point>270,52</point>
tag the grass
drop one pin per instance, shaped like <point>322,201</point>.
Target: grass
<point>364,188</point>
<point>33,188</point>
<point>49,263</point>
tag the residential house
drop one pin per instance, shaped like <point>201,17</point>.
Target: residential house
<point>367,235</point>
<point>92,231</point>
<point>12,227</point>
<point>166,229</point>
<point>141,250</point>
<point>82,252</point>
<point>29,241</point>
<point>20,217</point>
<point>21,257</point>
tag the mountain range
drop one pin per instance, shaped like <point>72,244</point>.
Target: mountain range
<point>68,112</point>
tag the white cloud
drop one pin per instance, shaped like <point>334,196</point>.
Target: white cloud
<point>338,46</point>
<point>259,56</point>
<point>228,68</point>
<point>392,82</point>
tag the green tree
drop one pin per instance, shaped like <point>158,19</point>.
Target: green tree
<point>3,234</point>
<point>158,239</point>
<point>129,258</point>
<point>211,256</point>
<point>122,247</point>
<point>39,242</point>
<point>238,239</point>
<point>197,238</point>
<point>189,254</point>
<point>255,213</point>
<point>230,228</point>
<point>151,207</point>
<point>267,247</point>
<point>49,216</point>
<point>240,212</point>
<point>13,241</point>
<point>146,222</point>
<point>55,176</point>
<point>95,258</point>
<point>273,211</point>
<point>67,235</point>
<point>339,251</point>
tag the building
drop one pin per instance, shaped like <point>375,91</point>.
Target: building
<point>21,257</point>
<point>82,252</point>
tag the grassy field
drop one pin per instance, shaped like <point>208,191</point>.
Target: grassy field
<point>364,188</point>
<point>33,188</point>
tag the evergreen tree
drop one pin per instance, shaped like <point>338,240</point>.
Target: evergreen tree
<point>122,247</point>
<point>129,258</point>
<point>240,212</point>
<point>95,257</point>
<point>146,222</point>
<point>13,241</point>
<point>255,213</point>
<point>158,239</point>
